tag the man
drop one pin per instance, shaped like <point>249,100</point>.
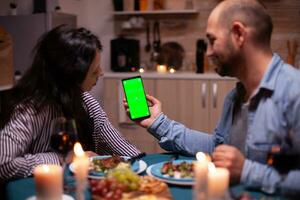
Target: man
<point>260,113</point>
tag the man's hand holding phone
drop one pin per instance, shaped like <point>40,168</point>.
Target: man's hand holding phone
<point>155,110</point>
<point>137,103</point>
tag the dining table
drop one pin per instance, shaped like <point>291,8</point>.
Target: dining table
<point>25,188</point>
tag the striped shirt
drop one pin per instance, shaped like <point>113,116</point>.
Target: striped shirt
<point>25,139</point>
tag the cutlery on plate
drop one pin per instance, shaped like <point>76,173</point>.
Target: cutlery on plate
<point>138,157</point>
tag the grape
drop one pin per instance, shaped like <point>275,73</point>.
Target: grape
<point>126,177</point>
<point>107,189</point>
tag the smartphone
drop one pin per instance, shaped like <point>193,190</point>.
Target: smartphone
<point>136,97</point>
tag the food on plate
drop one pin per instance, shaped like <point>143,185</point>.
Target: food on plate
<point>125,176</point>
<point>115,187</point>
<point>180,170</point>
<point>103,165</point>
<point>106,189</point>
<point>151,185</point>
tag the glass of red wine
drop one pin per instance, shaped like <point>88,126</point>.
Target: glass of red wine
<point>283,160</point>
<point>285,155</point>
<point>63,138</point>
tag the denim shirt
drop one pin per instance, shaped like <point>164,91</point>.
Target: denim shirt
<point>274,112</point>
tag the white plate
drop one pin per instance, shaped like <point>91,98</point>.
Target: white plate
<point>64,197</point>
<point>139,167</point>
<point>175,181</point>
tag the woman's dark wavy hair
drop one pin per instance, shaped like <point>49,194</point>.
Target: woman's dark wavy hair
<point>61,61</point>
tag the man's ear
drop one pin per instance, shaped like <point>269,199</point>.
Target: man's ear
<point>238,32</point>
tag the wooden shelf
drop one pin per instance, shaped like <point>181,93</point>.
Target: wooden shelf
<point>156,12</point>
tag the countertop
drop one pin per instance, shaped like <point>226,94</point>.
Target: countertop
<point>176,75</point>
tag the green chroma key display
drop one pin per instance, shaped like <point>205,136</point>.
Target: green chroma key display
<point>136,97</point>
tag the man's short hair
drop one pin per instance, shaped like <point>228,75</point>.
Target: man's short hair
<point>252,14</point>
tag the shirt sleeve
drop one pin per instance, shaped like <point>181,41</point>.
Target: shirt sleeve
<point>17,159</point>
<point>108,140</point>
<point>174,136</point>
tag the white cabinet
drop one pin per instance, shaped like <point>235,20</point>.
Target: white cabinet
<point>113,107</point>
<point>196,102</point>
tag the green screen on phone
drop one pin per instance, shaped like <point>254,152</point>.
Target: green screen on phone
<point>136,98</point>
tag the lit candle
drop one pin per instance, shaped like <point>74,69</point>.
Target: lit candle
<point>141,70</point>
<point>172,70</point>
<point>201,170</point>
<point>48,181</point>
<point>81,167</point>
<point>218,181</point>
<point>161,68</point>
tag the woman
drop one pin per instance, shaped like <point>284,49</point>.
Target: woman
<point>66,65</point>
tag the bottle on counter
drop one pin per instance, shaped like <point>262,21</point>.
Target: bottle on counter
<point>200,56</point>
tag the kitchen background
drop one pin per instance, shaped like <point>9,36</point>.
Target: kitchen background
<point>185,29</point>
<point>197,98</point>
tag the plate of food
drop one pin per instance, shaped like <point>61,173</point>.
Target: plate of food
<point>100,165</point>
<point>116,187</point>
<point>179,172</point>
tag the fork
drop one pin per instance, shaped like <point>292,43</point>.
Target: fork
<point>138,157</point>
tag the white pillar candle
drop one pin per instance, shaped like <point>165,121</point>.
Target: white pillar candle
<point>81,167</point>
<point>48,182</point>
<point>161,68</point>
<point>218,181</point>
<point>201,170</point>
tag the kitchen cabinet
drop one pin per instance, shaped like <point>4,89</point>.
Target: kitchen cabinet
<point>113,106</point>
<point>27,29</point>
<point>196,101</point>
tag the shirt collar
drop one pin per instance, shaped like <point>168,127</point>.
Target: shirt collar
<point>269,79</point>
<point>267,82</point>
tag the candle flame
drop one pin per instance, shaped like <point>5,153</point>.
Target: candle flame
<point>211,167</point>
<point>200,156</point>
<point>78,149</point>
<point>172,70</point>
<point>45,168</point>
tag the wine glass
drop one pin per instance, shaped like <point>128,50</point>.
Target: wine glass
<point>284,156</point>
<point>63,138</point>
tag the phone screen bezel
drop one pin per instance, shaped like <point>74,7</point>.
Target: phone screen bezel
<point>143,88</point>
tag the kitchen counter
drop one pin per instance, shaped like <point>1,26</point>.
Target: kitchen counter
<point>176,75</point>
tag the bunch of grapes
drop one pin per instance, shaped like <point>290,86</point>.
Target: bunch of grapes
<point>107,189</point>
<point>126,177</point>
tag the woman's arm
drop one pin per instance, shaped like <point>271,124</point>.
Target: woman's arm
<point>108,140</point>
<point>23,145</point>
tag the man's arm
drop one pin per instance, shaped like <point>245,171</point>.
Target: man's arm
<point>174,136</point>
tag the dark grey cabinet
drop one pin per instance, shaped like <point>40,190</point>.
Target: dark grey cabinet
<point>25,31</point>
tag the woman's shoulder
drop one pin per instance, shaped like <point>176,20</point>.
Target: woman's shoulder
<point>30,108</point>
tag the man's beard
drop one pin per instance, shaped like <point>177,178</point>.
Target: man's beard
<point>228,66</point>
